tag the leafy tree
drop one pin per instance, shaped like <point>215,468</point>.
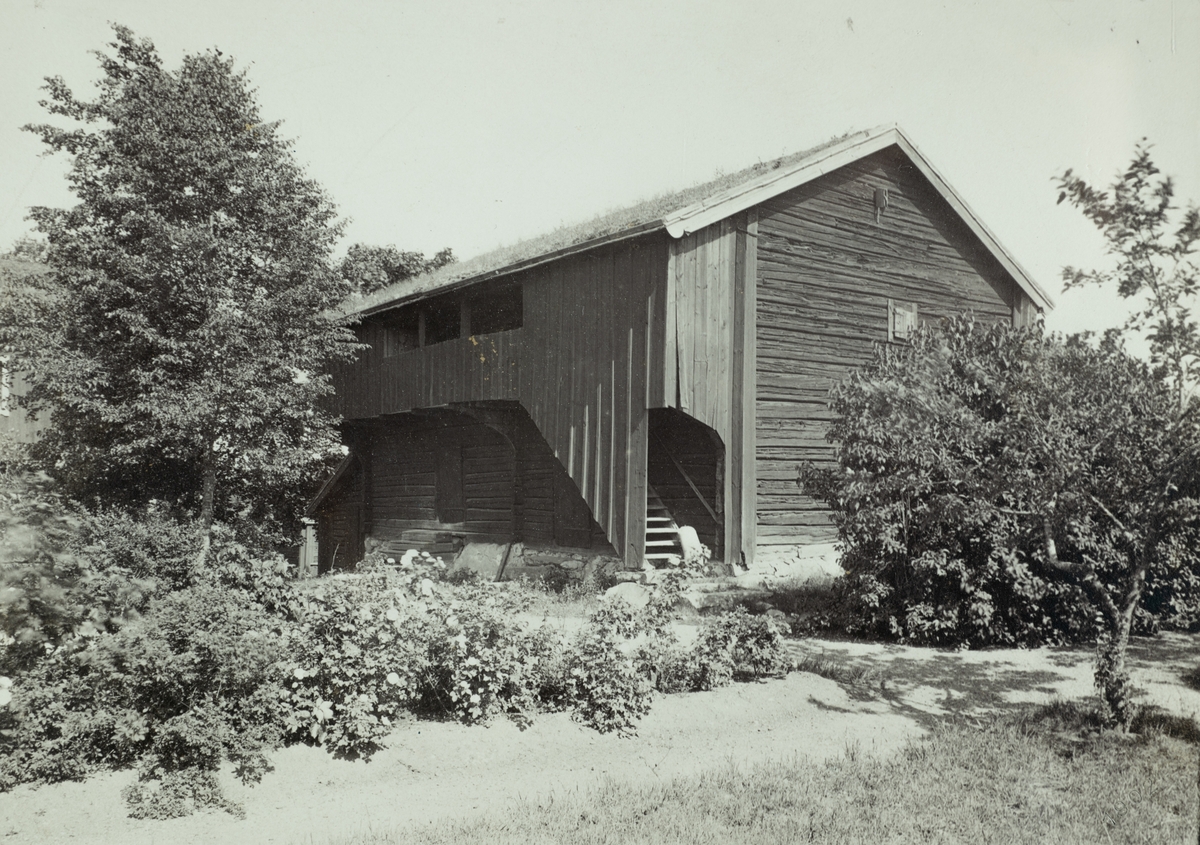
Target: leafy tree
<point>27,249</point>
<point>1154,261</point>
<point>998,486</point>
<point>370,268</point>
<point>178,342</point>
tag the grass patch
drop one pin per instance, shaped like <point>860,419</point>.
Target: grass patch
<point>1013,781</point>
<point>1192,678</point>
<point>857,676</point>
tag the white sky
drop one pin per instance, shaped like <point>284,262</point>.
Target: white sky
<point>475,124</point>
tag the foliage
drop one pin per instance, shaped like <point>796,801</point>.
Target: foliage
<point>354,659</point>
<point>1007,487</point>
<point>194,683</point>
<point>229,660</point>
<point>731,645</point>
<point>178,342</point>
<point>51,585</point>
<point>752,645</point>
<point>27,249</point>
<point>604,686</point>
<point>369,268</point>
<point>1153,261</point>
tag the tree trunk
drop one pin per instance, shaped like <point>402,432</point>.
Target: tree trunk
<point>207,497</point>
<point>1112,677</point>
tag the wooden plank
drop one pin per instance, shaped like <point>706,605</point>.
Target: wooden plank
<point>670,397</point>
<point>638,422</point>
<point>685,320</point>
<point>735,450</point>
<point>698,330</point>
<point>748,407</point>
<point>618,329</point>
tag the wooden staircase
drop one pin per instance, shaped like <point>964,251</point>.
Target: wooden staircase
<point>662,534</point>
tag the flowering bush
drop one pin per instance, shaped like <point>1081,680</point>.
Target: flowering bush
<point>605,686</point>
<point>355,653</point>
<point>242,660</point>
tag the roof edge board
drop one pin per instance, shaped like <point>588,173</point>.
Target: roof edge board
<point>705,213</point>
<point>509,269</point>
<point>697,216</point>
<point>973,221</point>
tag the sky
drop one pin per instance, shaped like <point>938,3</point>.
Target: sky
<point>477,124</point>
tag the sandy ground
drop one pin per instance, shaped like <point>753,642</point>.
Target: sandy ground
<point>432,769</point>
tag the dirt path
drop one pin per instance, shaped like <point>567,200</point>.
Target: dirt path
<point>432,770</point>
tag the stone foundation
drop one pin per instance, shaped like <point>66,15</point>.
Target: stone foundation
<point>555,564</point>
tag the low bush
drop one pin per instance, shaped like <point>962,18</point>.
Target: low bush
<point>604,686</point>
<point>227,663</point>
<point>51,585</point>
<point>193,684</point>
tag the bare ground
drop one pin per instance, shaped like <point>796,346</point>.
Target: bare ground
<point>435,769</point>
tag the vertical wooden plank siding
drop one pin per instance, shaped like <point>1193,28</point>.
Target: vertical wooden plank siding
<point>702,293</point>
<point>670,360</point>
<point>826,270</point>
<point>636,314</point>
<point>1024,312</point>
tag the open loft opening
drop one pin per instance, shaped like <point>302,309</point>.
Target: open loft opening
<point>473,313</point>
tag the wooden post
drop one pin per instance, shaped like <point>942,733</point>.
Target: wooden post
<point>741,478</point>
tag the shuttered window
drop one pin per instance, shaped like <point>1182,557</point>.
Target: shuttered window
<point>902,321</point>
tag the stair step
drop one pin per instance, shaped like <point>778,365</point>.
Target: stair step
<point>662,534</point>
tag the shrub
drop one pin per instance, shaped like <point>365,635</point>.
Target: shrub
<point>959,453</point>
<point>1001,487</point>
<point>731,645</point>
<point>604,686</point>
<point>752,646</point>
<point>51,584</point>
<point>355,656</point>
<point>148,543</point>
<point>196,682</point>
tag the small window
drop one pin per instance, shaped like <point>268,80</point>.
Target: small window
<point>496,311</point>
<point>442,320</point>
<point>902,321</point>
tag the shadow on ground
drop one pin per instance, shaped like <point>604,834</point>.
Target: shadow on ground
<point>928,685</point>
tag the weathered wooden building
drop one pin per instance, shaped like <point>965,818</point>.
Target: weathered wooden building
<point>664,365</point>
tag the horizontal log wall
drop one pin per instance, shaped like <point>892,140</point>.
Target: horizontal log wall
<point>825,272</point>
<point>340,522</point>
<point>403,485</point>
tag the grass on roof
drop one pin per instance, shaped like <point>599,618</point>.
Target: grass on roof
<point>643,213</point>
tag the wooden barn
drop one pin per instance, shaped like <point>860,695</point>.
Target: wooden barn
<point>665,365</point>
